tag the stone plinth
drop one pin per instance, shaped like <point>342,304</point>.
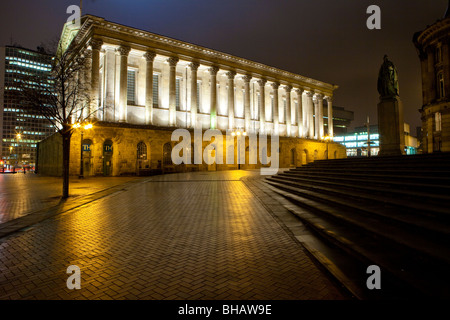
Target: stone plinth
<point>390,126</point>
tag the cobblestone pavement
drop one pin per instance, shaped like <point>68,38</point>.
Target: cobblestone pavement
<point>22,194</point>
<point>180,236</point>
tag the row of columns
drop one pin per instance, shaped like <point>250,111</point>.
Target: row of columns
<point>307,127</point>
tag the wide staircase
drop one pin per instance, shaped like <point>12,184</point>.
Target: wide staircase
<point>393,212</point>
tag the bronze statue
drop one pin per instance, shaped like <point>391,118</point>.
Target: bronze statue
<point>388,80</point>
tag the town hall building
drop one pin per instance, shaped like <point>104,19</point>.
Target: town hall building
<point>144,85</point>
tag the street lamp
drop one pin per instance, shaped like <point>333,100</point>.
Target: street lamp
<point>82,129</point>
<point>237,133</point>
<point>327,138</point>
<point>18,137</point>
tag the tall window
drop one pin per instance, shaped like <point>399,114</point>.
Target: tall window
<point>177,94</point>
<point>440,79</point>
<point>156,90</point>
<point>199,90</point>
<point>438,121</point>
<point>273,106</point>
<point>284,110</point>
<point>294,120</point>
<point>258,106</point>
<point>131,87</point>
<point>439,54</point>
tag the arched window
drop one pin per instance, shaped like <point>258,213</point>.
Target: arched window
<point>305,157</point>
<point>141,151</point>
<point>315,154</point>
<point>167,154</point>
<point>292,157</point>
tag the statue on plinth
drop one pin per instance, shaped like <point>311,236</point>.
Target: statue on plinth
<point>390,111</point>
<point>388,80</point>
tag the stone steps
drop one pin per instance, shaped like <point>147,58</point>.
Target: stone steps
<point>372,218</point>
<point>381,194</point>
<point>441,187</point>
<point>417,178</point>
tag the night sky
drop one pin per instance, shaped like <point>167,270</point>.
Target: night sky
<point>323,39</point>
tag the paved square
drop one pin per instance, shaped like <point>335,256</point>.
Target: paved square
<point>180,236</point>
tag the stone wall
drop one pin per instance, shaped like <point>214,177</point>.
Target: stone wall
<point>124,159</point>
<point>49,158</point>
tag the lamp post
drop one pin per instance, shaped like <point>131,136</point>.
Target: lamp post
<point>18,137</point>
<point>238,132</point>
<point>82,129</point>
<point>9,161</point>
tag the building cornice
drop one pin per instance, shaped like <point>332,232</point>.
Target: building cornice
<point>423,38</point>
<point>117,34</point>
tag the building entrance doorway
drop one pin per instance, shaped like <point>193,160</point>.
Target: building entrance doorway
<point>107,157</point>
<point>87,157</point>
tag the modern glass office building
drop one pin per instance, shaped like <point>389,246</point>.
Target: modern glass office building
<point>20,127</point>
<point>357,142</point>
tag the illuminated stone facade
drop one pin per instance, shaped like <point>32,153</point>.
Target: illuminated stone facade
<point>152,84</point>
<point>433,48</point>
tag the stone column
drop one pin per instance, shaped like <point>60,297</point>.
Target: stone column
<point>96,45</point>
<point>262,105</point>
<point>194,103</point>
<point>310,118</point>
<point>288,89</point>
<point>276,114</point>
<point>320,109</point>
<point>123,51</point>
<point>149,57</point>
<point>330,116</point>
<point>172,91</point>
<point>247,114</point>
<point>231,75</point>
<point>316,118</point>
<point>300,121</point>
<point>213,112</point>
<point>110,85</point>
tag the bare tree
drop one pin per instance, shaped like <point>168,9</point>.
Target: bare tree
<point>63,98</point>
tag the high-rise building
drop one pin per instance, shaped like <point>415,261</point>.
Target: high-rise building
<point>21,128</point>
<point>342,119</point>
